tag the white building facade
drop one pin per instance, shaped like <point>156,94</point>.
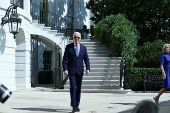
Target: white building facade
<point>15,54</point>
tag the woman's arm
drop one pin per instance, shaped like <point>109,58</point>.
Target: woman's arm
<point>163,72</point>
<point>162,66</point>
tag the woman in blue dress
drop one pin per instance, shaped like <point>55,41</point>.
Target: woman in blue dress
<point>165,67</point>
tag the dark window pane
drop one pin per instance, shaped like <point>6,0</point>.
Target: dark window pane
<point>47,60</point>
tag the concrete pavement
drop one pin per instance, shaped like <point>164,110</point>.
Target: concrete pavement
<point>34,100</point>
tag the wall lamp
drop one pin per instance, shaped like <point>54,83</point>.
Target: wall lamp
<point>11,17</point>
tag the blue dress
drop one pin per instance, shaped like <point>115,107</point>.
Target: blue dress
<point>165,61</point>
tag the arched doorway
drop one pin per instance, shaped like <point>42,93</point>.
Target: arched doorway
<point>51,68</point>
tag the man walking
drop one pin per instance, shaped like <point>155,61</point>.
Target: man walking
<point>73,67</point>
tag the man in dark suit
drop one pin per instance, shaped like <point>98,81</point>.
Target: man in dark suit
<point>73,67</point>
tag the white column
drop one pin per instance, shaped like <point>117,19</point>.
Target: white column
<point>23,49</point>
<point>23,61</point>
<point>26,4</point>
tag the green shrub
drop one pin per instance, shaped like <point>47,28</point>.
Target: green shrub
<point>148,55</point>
<point>45,77</point>
<point>115,30</point>
<point>137,79</point>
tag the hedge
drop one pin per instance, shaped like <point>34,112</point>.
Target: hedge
<point>148,55</point>
<point>137,79</point>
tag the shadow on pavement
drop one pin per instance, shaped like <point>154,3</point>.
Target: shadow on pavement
<point>45,109</point>
<point>125,103</point>
<point>164,105</point>
<point>163,108</point>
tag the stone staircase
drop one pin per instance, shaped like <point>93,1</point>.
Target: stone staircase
<point>104,71</point>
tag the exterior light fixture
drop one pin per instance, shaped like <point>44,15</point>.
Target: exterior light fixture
<point>11,17</point>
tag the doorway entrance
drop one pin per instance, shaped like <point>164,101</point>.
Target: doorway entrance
<point>50,74</point>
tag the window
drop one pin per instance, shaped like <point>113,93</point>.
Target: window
<point>44,11</point>
<point>47,60</point>
<point>19,3</point>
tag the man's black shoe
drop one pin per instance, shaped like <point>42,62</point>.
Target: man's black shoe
<point>74,109</point>
<point>77,109</point>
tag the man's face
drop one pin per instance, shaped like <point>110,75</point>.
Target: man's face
<point>77,38</point>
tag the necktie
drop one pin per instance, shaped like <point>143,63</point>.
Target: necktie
<point>76,50</point>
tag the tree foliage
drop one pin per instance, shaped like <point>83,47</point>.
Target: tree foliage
<point>116,30</point>
<point>150,16</point>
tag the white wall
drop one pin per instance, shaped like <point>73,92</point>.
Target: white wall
<point>7,52</point>
<point>15,53</point>
<point>23,49</point>
<point>81,14</point>
<point>27,6</point>
<point>7,57</point>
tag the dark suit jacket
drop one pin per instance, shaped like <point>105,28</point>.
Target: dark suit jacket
<point>72,63</point>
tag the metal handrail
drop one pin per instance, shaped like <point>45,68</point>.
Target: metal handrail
<point>122,66</point>
<point>124,72</point>
<point>51,20</point>
<point>126,77</point>
<point>57,77</point>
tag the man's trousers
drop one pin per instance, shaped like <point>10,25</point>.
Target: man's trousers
<point>75,88</point>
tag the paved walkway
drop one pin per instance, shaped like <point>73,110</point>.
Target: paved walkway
<point>34,100</point>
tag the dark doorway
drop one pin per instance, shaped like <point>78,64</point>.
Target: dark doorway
<point>47,60</point>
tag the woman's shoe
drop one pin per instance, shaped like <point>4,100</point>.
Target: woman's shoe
<point>154,98</point>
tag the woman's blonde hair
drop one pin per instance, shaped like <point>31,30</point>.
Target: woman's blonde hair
<point>163,49</point>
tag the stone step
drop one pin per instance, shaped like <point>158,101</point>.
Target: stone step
<point>104,62</point>
<point>94,46</point>
<point>98,82</point>
<point>88,40</point>
<point>97,48</point>
<point>34,21</point>
<point>46,28</point>
<point>114,73</point>
<point>117,90</point>
<point>101,77</point>
<point>116,70</point>
<point>98,52</point>
<point>52,31</point>
<point>40,25</point>
<point>106,58</point>
<point>98,55</point>
<point>104,65</point>
<point>95,87</point>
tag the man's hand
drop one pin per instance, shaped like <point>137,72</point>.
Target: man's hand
<point>66,73</point>
<point>87,72</point>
